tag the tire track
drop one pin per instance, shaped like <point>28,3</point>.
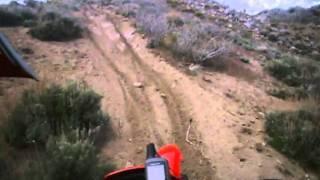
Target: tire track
<point>138,105</point>
<point>178,118</point>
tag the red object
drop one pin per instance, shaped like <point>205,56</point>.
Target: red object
<point>174,157</point>
<point>169,152</point>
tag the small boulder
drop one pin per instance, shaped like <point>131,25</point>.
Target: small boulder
<point>138,84</point>
<point>273,37</point>
<point>259,147</point>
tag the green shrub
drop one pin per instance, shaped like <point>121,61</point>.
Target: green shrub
<point>296,134</point>
<point>56,27</point>
<point>175,21</point>
<point>65,160</point>
<point>294,72</point>
<point>8,18</point>
<point>16,15</point>
<point>73,161</point>
<point>173,3</point>
<point>244,42</point>
<point>287,70</point>
<point>199,14</point>
<point>53,112</point>
<point>282,93</point>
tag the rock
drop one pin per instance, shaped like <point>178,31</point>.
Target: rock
<point>130,139</point>
<point>26,50</point>
<point>138,84</point>
<point>273,37</point>
<point>245,60</point>
<point>273,54</point>
<point>139,150</point>
<point>284,170</point>
<point>246,130</point>
<point>241,112</point>
<point>129,164</point>
<point>206,79</point>
<point>315,55</point>
<point>163,95</point>
<point>259,147</point>
<point>262,48</point>
<point>195,68</point>
<point>261,115</point>
<point>242,159</point>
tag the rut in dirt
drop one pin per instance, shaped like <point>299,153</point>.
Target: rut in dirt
<point>178,118</point>
<point>195,164</point>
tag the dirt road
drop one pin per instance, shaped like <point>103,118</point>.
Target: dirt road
<point>152,101</point>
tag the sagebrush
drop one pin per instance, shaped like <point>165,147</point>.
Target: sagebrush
<point>66,160</point>
<point>55,111</point>
<point>296,134</point>
<point>53,26</point>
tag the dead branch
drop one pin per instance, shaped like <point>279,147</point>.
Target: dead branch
<point>188,132</point>
<point>212,54</point>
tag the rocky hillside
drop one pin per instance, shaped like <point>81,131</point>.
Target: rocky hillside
<point>221,84</point>
<point>293,15</point>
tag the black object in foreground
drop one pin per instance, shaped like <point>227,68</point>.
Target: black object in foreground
<point>11,63</point>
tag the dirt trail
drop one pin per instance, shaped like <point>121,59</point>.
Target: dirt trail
<point>160,109</point>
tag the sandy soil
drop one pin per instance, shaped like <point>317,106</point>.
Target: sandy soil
<point>150,100</point>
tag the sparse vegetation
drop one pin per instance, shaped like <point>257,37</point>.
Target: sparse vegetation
<point>57,125</point>
<point>67,160</point>
<point>282,93</point>
<point>191,40</point>
<point>296,134</point>
<point>16,15</point>
<point>292,71</point>
<point>173,3</point>
<point>53,112</point>
<point>151,21</point>
<point>56,27</point>
<point>244,42</point>
<point>196,42</point>
<point>300,74</point>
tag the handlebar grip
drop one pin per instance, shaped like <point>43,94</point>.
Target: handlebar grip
<point>151,151</point>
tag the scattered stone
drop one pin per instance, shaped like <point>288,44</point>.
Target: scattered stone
<point>139,150</point>
<point>259,147</point>
<point>252,121</point>
<point>130,139</point>
<point>26,50</point>
<point>245,60</point>
<point>261,115</point>
<point>206,79</point>
<point>242,159</point>
<point>138,84</point>
<point>307,176</point>
<point>241,112</point>
<point>129,164</point>
<point>163,95</point>
<point>229,94</point>
<point>246,130</point>
<point>195,68</point>
<point>284,170</point>
<point>273,37</point>
<point>279,162</point>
